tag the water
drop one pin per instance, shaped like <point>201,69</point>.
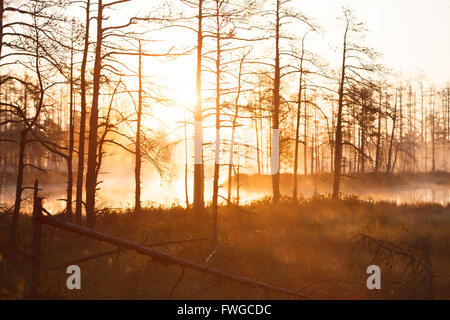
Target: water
<point>119,193</point>
<point>413,194</point>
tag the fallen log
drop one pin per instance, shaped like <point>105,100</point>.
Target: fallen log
<point>117,251</point>
<point>162,257</point>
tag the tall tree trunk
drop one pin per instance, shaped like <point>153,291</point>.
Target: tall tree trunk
<point>217,148</point>
<point>313,146</point>
<point>138,157</point>
<point>71,140</point>
<point>426,137</point>
<point>378,147</point>
<point>314,152</point>
<point>363,142</point>
<point>2,8</point>
<point>237,175</point>
<point>261,138</point>
<point>338,139</point>
<point>400,145</point>
<point>91,179</point>
<point>258,155</point>
<point>230,164</point>
<point>447,136</point>
<point>186,162</point>
<point>297,127</point>
<point>275,163</point>
<point>12,243</point>
<point>233,131</point>
<point>331,138</point>
<point>433,133</point>
<point>422,123</point>
<point>411,130</point>
<point>198,139</point>
<point>305,136</point>
<point>391,142</point>
<point>258,144</point>
<point>81,142</point>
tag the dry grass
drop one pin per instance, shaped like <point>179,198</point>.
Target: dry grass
<point>310,247</point>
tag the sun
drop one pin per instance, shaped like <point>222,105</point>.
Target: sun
<point>184,95</point>
<point>177,77</point>
<point>180,79</point>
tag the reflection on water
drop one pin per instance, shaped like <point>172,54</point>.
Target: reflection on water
<point>119,193</point>
<point>398,195</point>
<point>412,194</point>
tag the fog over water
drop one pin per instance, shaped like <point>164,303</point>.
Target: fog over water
<point>117,191</point>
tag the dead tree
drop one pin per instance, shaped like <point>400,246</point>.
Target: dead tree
<point>378,146</point>
<point>357,63</point>
<point>34,47</point>
<point>276,108</point>
<point>83,113</point>
<point>234,124</point>
<point>227,15</point>
<point>91,181</point>
<point>100,63</point>
<point>71,128</point>
<point>198,201</point>
<point>279,15</point>
<point>393,115</point>
<point>297,126</point>
<point>183,21</point>
<point>308,65</point>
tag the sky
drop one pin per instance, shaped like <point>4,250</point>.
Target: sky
<point>412,35</point>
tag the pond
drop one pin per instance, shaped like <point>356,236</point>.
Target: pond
<point>116,194</point>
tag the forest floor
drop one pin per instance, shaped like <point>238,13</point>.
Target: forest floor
<point>319,247</point>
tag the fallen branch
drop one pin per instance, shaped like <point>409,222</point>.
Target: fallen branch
<point>116,251</point>
<point>162,257</point>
